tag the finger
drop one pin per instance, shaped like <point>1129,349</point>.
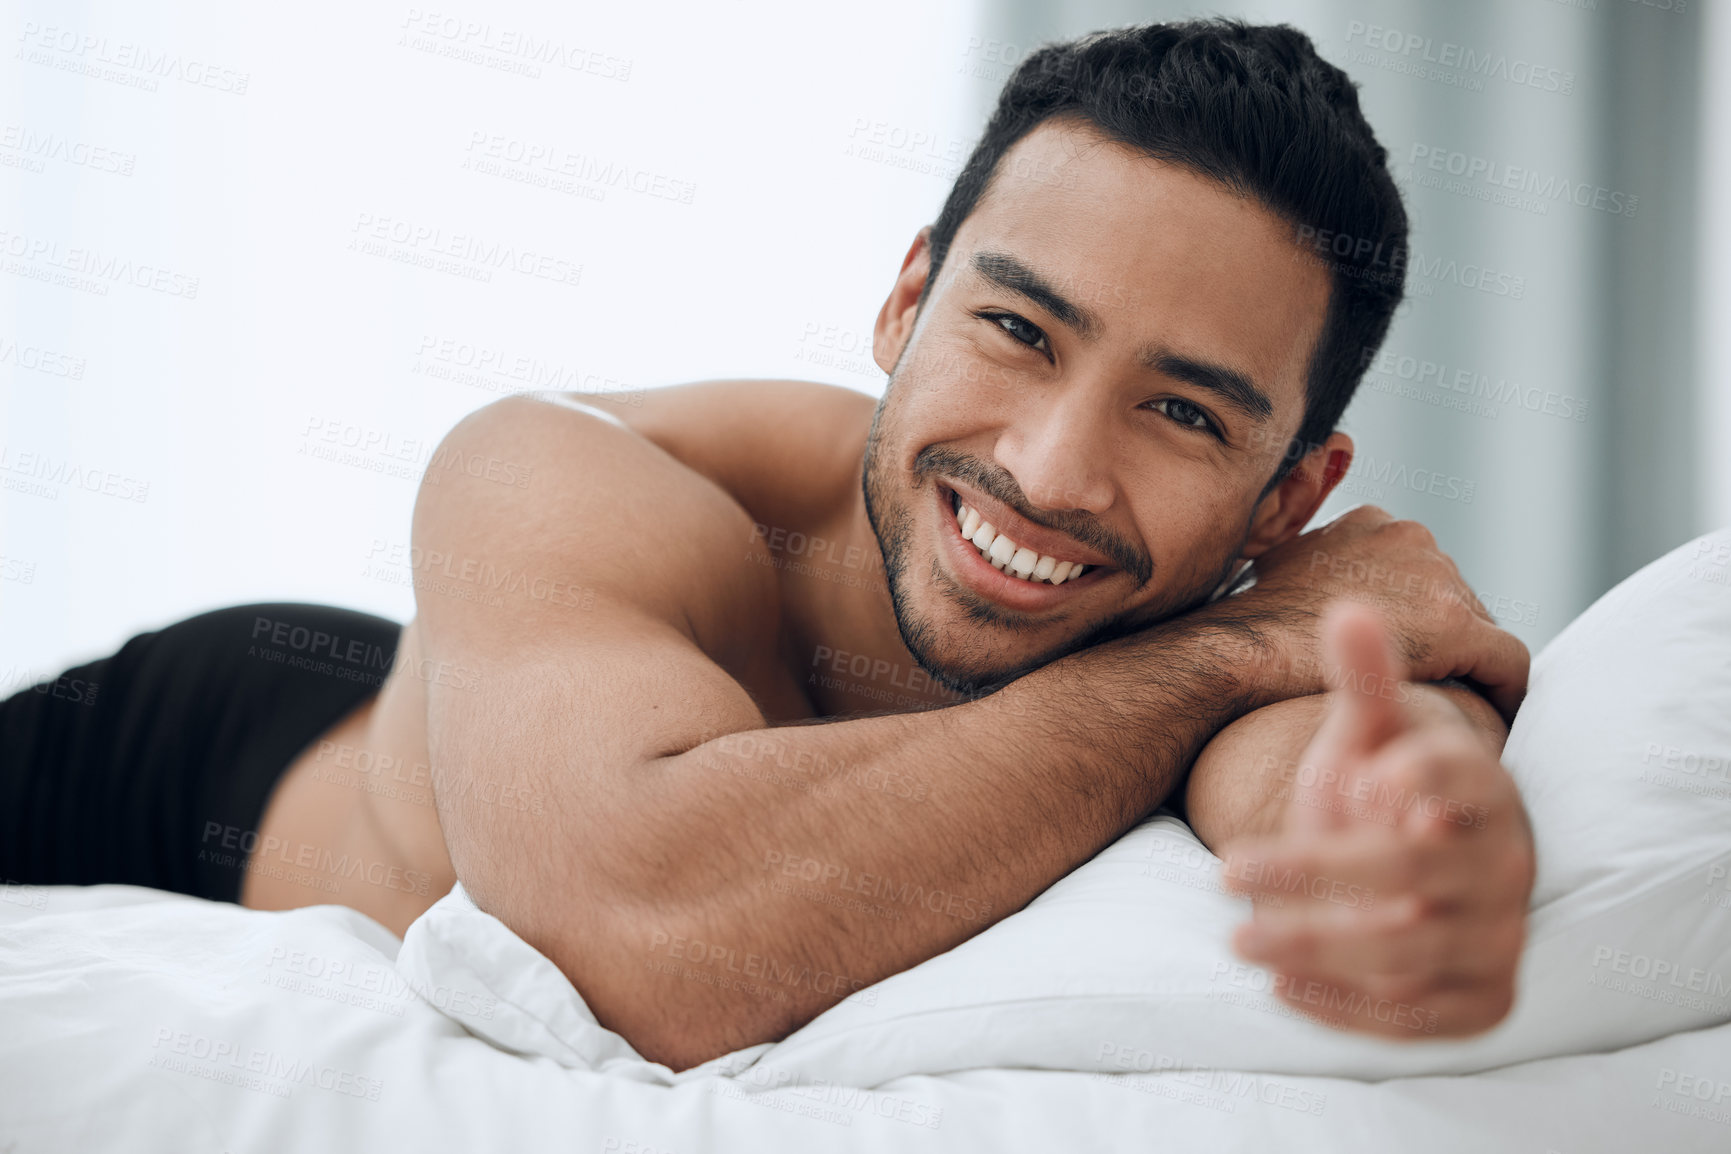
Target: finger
<point>1400,945</point>
<point>1460,819</point>
<point>1348,867</point>
<point>1364,710</point>
<point>1499,665</point>
<point>1447,866</point>
<point>1368,677</point>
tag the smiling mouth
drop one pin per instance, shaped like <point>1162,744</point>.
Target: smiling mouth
<point>1006,555</point>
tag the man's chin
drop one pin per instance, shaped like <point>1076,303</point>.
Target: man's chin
<point>933,642</point>
<point>934,646</point>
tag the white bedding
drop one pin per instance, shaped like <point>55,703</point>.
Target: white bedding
<point>1108,1014</point>
<point>132,1020</point>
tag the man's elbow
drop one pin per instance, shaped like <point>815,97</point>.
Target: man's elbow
<point>676,998</point>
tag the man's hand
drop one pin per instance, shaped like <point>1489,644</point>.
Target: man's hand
<point>1415,857</point>
<point>1439,628</point>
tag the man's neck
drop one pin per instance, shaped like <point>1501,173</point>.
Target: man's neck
<point>842,622</point>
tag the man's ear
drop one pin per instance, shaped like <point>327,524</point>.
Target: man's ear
<point>1283,512</point>
<point>896,319</point>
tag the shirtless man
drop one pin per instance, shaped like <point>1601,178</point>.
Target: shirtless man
<point>653,646</point>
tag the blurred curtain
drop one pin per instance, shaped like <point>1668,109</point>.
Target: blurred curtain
<point>1545,360</point>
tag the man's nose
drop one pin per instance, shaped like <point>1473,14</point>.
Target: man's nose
<point>1060,456</point>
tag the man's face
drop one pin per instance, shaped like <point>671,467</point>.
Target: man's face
<point>1108,372</point>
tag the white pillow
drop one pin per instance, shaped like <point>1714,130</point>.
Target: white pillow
<point>1623,754</point>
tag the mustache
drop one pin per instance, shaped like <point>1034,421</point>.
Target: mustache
<point>998,484</point>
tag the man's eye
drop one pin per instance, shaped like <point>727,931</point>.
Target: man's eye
<point>1020,328</point>
<point>1186,414</point>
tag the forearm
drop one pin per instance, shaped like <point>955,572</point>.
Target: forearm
<point>1243,778</point>
<point>811,861</point>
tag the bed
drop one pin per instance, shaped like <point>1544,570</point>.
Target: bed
<point>1109,1014</point>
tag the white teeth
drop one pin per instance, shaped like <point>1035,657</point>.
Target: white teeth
<point>1008,557</point>
<point>970,521</point>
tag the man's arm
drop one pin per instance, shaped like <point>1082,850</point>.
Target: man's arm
<point>645,880</point>
<point>1242,782</point>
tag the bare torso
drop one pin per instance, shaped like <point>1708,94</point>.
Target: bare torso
<point>355,811</point>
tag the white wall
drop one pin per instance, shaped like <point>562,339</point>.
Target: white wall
<point>244,147</point>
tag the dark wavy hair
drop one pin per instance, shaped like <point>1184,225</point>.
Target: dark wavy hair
<point>1255,108</point>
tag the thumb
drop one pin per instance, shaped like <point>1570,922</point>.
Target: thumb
<point>1364,713</point>
<point>1365,708</point>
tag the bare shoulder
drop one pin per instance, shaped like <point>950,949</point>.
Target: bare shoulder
<point>564,506</point>
<point>768,442</point>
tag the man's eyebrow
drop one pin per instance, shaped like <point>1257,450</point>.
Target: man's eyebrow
<point>1229,385</point>
<point>1012,275</point>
